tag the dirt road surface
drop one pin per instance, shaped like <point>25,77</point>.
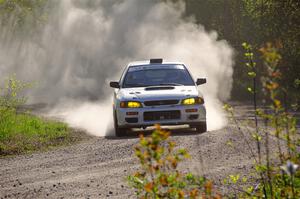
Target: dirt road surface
<point>97,167</point>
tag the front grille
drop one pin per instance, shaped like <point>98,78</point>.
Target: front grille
<point>161,115</point>
<point>161,102</point>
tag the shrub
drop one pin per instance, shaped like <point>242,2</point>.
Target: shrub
<point>159,176</point>
<point>278,174</point>
<point>10,93</point>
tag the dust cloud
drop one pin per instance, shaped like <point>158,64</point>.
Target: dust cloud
<point>86,43</point>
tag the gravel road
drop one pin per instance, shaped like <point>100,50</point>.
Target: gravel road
<point>97,167</point>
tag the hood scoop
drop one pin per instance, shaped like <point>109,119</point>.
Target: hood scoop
<point>152,88</point>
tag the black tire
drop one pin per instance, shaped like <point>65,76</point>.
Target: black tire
<point>118,131</point>
<point>201,127</point>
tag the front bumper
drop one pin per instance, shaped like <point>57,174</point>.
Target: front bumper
<point>163,115</point>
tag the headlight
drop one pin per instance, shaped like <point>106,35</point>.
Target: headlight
<point>130,104</point>
<point>192,101</point>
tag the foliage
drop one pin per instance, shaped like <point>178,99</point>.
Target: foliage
<point>278,176</point>
<point>21,132</point>
<point>257,21</point>
<point>10,94</point>
<point>160,177</point>
<point>23,15</point>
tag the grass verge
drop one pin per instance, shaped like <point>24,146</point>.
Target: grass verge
<point>23,132</point>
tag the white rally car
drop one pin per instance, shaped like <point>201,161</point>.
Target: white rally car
<point>157,92</point>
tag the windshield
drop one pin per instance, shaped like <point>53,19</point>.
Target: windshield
<point>143,76</point>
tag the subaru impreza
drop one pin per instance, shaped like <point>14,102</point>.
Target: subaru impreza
<point>157,92</point>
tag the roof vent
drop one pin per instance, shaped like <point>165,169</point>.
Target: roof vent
<point>156,61</point>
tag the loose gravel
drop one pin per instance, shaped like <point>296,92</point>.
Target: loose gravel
<point>97,167</point>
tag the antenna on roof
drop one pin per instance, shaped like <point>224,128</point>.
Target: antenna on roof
<point>156,61</point>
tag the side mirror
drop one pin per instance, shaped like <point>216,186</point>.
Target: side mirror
<point>114,84</point>
<point>201,81</point>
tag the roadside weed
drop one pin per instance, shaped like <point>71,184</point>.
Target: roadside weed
<point>159,176</point>
<point>277,143</point>
<point>21,132</point>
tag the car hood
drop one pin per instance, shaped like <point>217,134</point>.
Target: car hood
<point>158,93</point>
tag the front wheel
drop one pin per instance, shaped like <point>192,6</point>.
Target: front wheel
<point>201,127</point>
<point>118,131</point>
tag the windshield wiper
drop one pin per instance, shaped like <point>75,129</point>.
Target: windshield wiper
<point>171,84</point>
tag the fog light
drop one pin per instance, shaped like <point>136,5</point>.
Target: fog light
<point>130,104</point>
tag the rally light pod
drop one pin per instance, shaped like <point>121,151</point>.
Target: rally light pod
<point>156,61</point>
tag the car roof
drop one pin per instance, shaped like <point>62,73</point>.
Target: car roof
<point>147,62</point>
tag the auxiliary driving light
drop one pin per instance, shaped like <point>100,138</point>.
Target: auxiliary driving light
<point>192,101</point>
<point>130,104</point>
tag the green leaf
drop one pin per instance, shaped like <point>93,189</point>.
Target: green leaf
<point>297,83</point>
<point>252,74</point>
<point>229,143</point>
<point>250,90</point>
<point>256,137</point>
<point>234,178</point>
